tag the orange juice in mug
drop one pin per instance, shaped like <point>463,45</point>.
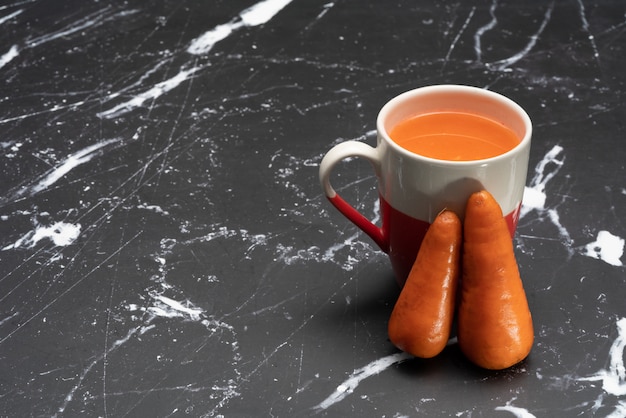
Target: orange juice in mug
<point>436,145</point>
<point>454,136</point>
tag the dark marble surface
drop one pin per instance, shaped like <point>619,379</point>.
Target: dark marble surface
<point>165,248</point>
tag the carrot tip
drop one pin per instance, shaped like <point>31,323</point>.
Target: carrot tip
<point>479,198</point>
<point>448,215</point>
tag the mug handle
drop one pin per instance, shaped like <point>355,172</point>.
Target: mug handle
<point>333,157</point>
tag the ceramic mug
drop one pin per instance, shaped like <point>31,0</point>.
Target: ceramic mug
<point>413,189</point>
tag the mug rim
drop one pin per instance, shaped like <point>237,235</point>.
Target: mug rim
<point>414,94</point>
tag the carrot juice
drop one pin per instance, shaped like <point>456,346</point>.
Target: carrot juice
<point>454,136</point>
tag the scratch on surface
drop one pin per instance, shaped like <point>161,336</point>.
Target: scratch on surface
<point>185,388</point>
<point>52,109</point>
<point>358,375</point>
<point>276,305</point>
<point>161,306</point>
<point>92,20</point>
<point>287,340</point>
<point>105,357</point>
<point>35,255</point>
<point>69,289</point>
<point>325,8</point>
<point>8,318</point>
<point>70,396</point>
<point>257,14</point>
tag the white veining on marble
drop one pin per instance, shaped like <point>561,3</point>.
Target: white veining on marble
<point>614,377</point>
<point>89,22</point>
<point>607,247</point>
<point>535,197</point>
<point>346,254</point>
<point>164,304</point>
<point>348,386</point>
<point>170,308</point>
<point>587,29</point>
<point>619,411</point>
<point>261,12</point>
<point>9,55</point>
<point>72,161</point>
<point>516,411</point>
<point>352,243</point>
<point>10,16</point>
<point>152,93</point>
<point>160,305</point>
<point>350,250</point>
<point>504,64</point>
<point>16,4</point>
<point>257,14</point>
<point>460,33</point>
<point>60,170</point>
<point>545,170</point>
<point>153,208</point>
<point>478,49</point>
<point>60,233</point>
<point>206,41</point>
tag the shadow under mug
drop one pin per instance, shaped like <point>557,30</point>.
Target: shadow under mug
<point>413,188</point>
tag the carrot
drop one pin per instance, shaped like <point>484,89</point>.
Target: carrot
<point>495,328</point>
<point>422,316</point>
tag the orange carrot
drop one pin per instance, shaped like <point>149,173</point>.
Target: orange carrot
<point>422,316</point>
<point>495,328</point>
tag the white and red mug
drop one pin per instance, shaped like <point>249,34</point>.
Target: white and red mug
<point>413,189</point>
